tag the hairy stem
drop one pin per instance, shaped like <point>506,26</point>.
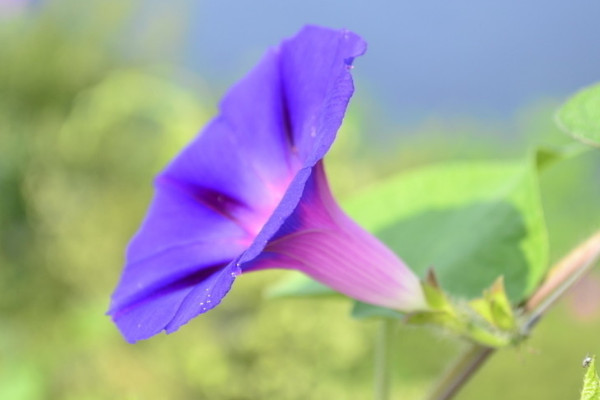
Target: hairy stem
<point>560,278</point>
<point>383,350</point>
<point>460,372</point>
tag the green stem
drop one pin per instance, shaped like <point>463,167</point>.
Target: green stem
<point>460,372</point>
<point>383,351</point>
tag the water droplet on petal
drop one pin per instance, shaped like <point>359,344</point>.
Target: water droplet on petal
<point>208,301</point>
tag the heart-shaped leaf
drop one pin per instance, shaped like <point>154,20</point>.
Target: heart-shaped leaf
<point>580,115</point>
<point>472,222</point>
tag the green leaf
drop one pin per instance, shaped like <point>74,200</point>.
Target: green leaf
<point>548,156</point>
<point>591,382</point>
<point>364,310</point>
<point>580,115</point>
<point>471,221</point>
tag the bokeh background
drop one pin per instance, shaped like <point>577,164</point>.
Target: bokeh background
<point>96,96</point>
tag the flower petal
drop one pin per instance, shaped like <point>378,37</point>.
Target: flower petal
<point>174,305</point>
<point>315,68</point>
<point>179,237</point>
<point>204,296</point>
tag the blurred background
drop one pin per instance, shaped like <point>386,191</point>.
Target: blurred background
<point>96,96</point>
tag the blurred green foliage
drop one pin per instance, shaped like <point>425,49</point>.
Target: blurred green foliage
<point>84,126</point>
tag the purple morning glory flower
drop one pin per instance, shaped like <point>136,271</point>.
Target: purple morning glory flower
<point>250,193</point>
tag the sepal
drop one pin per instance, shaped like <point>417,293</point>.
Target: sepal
<point>489,320</point>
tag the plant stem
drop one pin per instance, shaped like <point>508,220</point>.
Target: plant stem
<point>460,372</point>
<point>383,350</point>
<point>560,278</point>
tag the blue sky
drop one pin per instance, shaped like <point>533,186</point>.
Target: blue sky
<point>425,58</point>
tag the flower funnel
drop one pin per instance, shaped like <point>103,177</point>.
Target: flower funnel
<point>250,193</point>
